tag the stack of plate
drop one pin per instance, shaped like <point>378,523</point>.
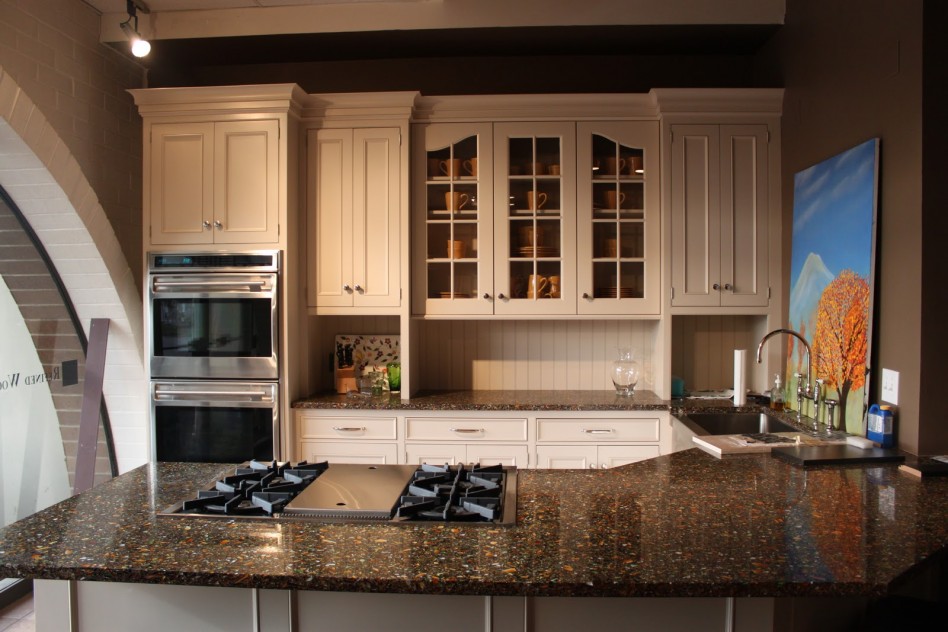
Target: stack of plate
<point>614,292</point>
<point>454,295</point>
<point>538,251</point>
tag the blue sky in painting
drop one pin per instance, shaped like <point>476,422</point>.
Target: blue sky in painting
<point>833,205</point>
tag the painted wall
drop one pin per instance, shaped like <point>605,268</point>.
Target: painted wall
<point>852,70</point>
<point>51,49</point>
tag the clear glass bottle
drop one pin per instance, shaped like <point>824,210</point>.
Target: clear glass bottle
<point>777,401</point>
<point>625,372</point>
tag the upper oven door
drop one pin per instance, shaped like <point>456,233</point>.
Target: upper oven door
<point>213,326</point>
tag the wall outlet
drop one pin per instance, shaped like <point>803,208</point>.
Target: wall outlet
<point>890,386</point>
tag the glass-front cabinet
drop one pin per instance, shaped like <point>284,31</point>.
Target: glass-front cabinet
<point>618,235</point>
<point>535,214</point>
<point>453,225</point>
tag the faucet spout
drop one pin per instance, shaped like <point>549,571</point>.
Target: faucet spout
<point>802,340</point>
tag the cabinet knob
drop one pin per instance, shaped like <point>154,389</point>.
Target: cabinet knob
<point>587,296</point>
<point>716,286</point>
<point>207,224</point>
<point>486,295</point>
<point>359,289</point>
<point>502,297</point>
<point>728,287</point>
<point>217,224</point>
<point>347,288</point>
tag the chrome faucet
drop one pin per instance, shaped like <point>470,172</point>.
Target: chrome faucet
<point>805,390</point>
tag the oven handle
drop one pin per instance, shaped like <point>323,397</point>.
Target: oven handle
<point>264,395</point>
<point>252,286</point>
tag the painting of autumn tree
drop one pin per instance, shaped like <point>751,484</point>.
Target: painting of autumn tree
<point>834,211</point>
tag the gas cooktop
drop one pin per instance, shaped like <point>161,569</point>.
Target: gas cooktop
<point>347,492</point>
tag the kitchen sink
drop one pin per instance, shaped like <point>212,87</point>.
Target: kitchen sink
<point>734,423</point>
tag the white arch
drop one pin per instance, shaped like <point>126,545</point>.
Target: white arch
<point>40,174</point>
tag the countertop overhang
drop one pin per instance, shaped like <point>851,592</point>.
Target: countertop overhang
<point>681,525</point>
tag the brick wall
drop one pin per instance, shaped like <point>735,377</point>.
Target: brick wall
<point>53,333</point>
<point>51,48</point>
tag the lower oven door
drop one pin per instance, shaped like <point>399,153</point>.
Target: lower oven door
<point>215,422</point>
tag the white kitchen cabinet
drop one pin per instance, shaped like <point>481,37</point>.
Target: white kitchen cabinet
<point>591,457</point>
<point>719,215</point>
<point>213,182</point>
<point>454,453</point>
<point>598,441</point>
<point>618,230</point>
<point>354,199</point>
<point>346,438</point>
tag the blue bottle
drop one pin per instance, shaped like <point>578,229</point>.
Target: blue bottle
<point>880,424</point>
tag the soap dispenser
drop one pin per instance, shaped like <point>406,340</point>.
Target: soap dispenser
<point>776,394</point>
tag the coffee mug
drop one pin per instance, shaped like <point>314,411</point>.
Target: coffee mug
<point>456,249</point>
<point>535,200</point>
<point>451,168</point>
<point>455,201</point>
<point>554,289</point>
<point>434,167</point>
<point>614,165</point>
<point>537,285</point>
<point>538,168</point>
<point>530,237</point>
<point>634,165</point>
<point>471,166</point>
<point>609,249</point>
<point>554,170</point>
<point>612,198</point>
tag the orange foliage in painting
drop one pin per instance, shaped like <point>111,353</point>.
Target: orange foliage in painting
<point>840,344</point>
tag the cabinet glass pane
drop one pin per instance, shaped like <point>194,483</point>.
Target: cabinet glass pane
<point>451,189</point>
<point>535,221</point>
<point>618,232</point>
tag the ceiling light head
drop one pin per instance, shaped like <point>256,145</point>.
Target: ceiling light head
<point>140,46</point>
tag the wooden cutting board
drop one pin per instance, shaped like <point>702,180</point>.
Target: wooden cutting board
<point>722,445</point>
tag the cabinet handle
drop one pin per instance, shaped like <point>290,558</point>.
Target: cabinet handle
<point>587,296</point>
<point>486,295</point>
<point>207,224</point>
<point>347,288</point>
<point>598,430</point>
<point>502,297</point>
<point>716,286</point>
<point>359,289</point>
<point>218,225</point>
<point>592,466</point>
<point>728,287</point>
<point>466,430</point>
<point>349,428</point>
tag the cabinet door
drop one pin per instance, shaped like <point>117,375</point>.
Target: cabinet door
<point>246,182</point>
<point>329,193</point>
<point>181,175</point>
<point>376,217</point>
<point>435,453</point>
<point>616,455</point>
<point>744,215</point>
<point>695,215</point>
<point>535,218</point>
<point>354,452</point>
<point>566,457</point>
<point>618,232</point>
<point>492,454</point>
<point>453,219</point>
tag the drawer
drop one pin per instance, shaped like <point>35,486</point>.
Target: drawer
<point>346,427</point>
<point>465,429</point>
<point>370,453</point>
<point>599,430</point>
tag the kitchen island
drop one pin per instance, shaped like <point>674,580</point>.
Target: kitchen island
<point>708,536</point>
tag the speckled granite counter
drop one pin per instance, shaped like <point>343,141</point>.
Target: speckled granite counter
<point>490,401</point>
<point>684,525</point>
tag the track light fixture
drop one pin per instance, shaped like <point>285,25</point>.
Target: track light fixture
<point>140,46</point>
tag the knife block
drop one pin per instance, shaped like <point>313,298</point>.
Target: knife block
<point>345,380</point>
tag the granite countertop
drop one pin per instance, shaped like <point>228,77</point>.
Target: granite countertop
<point>685,524</point>
<point>541,400</point>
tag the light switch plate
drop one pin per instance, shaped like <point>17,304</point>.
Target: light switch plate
<point>890,386</point>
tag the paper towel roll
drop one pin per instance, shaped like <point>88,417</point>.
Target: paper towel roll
<point>740,377</point>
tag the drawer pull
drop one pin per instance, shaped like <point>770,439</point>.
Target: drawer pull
<point>349,428</point>
<point>466,430</point>
<point>598,430</point>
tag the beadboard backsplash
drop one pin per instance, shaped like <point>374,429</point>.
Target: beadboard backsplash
<point>502,354</point>
<point>703,350</point>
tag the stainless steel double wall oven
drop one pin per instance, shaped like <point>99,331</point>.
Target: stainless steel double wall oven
<point>213,355</point>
